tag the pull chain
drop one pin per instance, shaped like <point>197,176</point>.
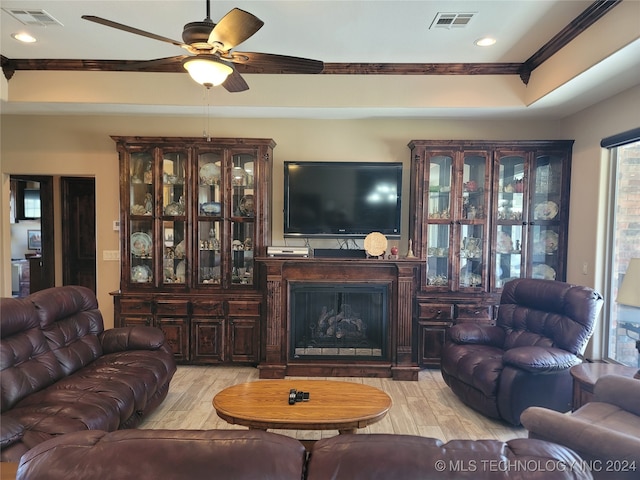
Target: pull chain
<point>207,100</point>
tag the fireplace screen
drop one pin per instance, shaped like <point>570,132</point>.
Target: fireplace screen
<point>338,321</point>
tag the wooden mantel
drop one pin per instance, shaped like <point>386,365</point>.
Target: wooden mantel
<point>400,275</point>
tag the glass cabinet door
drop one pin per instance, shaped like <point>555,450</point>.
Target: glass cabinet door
<point>471,215</point>
<point>210,218</point>
<point>438,265</point>
<point>474,187</point>
<point>440,179</point>
<point>545,216</point>
<point>510,222</point>
<point>471,256</point>
<point>439,212</point>
<point>243,211</point>
<point>174,193</point>
<point>141,209</point>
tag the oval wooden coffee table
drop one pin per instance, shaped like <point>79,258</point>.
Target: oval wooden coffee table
<point>332,405</point>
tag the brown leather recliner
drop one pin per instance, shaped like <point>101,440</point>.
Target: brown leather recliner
<point>524,360</point>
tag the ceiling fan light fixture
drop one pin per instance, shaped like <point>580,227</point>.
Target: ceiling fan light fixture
<point>207,70</point>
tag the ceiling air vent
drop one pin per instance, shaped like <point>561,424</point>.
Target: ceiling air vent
<point>451,20</point>
<point>36,17</point>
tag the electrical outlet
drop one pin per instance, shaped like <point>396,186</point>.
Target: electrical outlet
<point>111,255</point>
<point>116,225</point>
<point>585,268</point>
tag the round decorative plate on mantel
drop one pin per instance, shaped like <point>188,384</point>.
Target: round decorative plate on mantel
<point>375,244</point>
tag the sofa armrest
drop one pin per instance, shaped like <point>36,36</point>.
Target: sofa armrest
<point>472,333</point>
<point>620,391</point>
<point>580,434</point>
<point>132,338</point>
<point>11,431</point>
<point>540,359</point>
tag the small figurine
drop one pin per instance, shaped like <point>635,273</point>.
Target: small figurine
<point>148,203</point>
<point>410,250</point>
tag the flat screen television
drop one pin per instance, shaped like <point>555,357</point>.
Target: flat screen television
<point>335,199</point>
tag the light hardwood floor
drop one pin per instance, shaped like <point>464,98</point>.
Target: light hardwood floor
<point>427,407</point>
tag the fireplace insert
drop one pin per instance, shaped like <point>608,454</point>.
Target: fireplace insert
<point>339,321</point>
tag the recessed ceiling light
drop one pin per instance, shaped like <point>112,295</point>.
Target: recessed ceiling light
<point>485,42</point>
<point>23,37</point>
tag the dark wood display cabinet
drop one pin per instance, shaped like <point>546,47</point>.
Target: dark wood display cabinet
<point>194,215</point>
<point>482,213</point>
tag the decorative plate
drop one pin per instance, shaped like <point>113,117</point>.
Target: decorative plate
<point>209,174</point>
<point>247,206</point>
<point>504,244</point>
<point>210,208</point>
<point>544,272</point>
<point>375,244</point>
<point>140,243</point>
<point>545,211</point>
<point>141,274</point>
<point>549,239</point>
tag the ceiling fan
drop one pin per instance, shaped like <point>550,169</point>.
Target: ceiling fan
<point>210,44</point>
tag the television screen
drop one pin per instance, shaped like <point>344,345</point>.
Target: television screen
<point>333,199</point>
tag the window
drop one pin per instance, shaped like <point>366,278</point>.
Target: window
<point>31,203</point>
<point>623,322</point>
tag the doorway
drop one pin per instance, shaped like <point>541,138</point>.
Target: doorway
<point>32,229</point>
<point>78,231</point>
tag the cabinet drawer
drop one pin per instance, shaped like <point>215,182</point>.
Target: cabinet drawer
<point>244,308</point>
<point>137,306</point>
<point>172,308</point>
<point>481,313</point>
<point>435,311</point>
<point>212,308</point>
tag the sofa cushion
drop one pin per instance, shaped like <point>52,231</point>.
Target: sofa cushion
<point>71,322</point>
<point>166,455</point>
<point>26,360</point>
<point>540,360</point>
<point>478,366</point>
<point>603,434</point>
<point>12,431</point>
<point>104,395</point>
<point>547,314</point>
<point>386,456</point>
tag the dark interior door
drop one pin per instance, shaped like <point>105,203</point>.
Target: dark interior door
<point>78,195</point>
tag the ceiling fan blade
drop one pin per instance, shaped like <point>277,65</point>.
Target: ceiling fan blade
<point>234,28</point>
<point>168,64</point>
<point>271,63</point>
<point>235,83</point>
<point>136,31</point>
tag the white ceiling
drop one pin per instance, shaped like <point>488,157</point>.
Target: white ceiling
<point>345,31</point>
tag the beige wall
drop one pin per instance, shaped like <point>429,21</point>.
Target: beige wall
<point>589,182</point>
<point>80,145</point>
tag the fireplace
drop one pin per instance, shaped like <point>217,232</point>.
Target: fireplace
<point>339,321</point>
<point>335,317</point>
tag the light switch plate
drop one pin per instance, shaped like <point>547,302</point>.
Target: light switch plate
<point>111,255</point>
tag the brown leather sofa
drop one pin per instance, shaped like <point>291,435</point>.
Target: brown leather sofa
<point>524,360</point>
<point>62,372</point>
<point>256,455</point>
